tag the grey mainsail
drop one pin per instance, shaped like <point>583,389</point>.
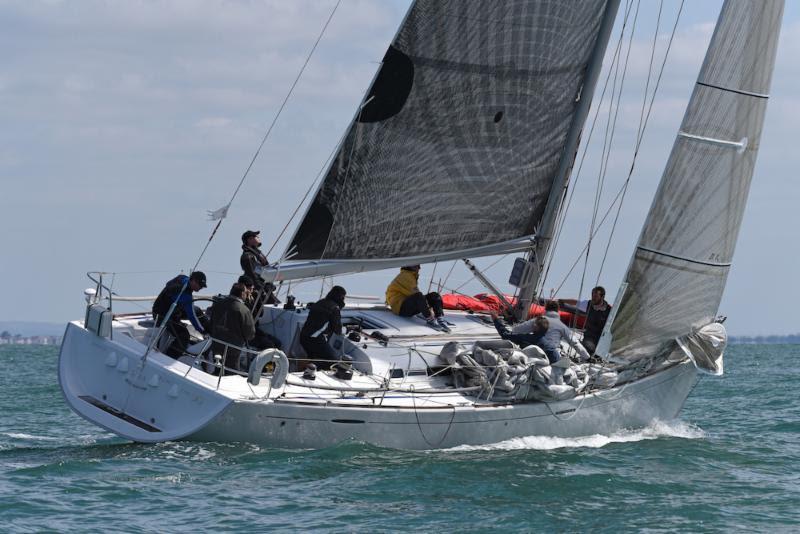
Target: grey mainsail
<point>461,134</point>
<point>675,281</point>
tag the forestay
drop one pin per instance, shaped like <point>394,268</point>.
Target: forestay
<point>460,135</point>
<point>681,263</point>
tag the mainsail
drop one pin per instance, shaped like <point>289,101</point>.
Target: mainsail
<point>679,268</point>
<point>460,136</point>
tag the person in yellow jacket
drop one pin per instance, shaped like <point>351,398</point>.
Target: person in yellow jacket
<point>406,300</point>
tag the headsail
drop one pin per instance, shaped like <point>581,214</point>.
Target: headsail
<point>461,134</point>
<point>679,268</point>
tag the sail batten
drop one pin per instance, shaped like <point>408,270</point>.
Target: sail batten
<point>461,133</point>
<point>677,275</point>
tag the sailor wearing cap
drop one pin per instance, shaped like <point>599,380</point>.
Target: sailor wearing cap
<point>252,261</point>
<point>174,292</point>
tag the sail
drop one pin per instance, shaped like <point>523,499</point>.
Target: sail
<point>678,272</point>
<point>460,136</point>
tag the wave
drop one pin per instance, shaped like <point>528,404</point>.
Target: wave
<point>20,435</point>
<point>655,430</point>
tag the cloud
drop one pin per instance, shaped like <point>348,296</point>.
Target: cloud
<point>125,121</point>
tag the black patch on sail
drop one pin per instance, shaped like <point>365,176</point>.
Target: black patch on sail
<point>390,91</point>
<point>312,236</point>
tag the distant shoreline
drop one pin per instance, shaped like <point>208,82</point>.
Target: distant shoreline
<point>792,339</point>
<point>41,333</point>
<point>30,340</point>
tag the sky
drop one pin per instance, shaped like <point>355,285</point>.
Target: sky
<point>124,122</point>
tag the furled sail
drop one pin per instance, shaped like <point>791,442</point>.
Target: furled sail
<point>679,268</point>
<point>458,140</point>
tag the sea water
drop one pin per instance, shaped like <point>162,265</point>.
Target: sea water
<point>730,463</point>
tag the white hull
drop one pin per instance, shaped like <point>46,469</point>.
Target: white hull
<point>297,425</point>
<point>159,399</point>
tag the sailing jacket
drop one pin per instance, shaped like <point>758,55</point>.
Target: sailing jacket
<point>403,286</point>
<point>232,322</point>
<point>595,322</point>
<point>251,259</point>
<point>324,320</point>
<point>172,293</point>
<point>558,332</point>
<point>539,339</point>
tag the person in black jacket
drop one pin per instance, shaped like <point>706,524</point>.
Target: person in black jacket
<point>597,312</point>
<point>252,261</point>
<point>232,323</point>
<point>179,290</point>
<point>324,320</point>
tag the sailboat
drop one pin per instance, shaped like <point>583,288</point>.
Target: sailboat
<point>463,147</point>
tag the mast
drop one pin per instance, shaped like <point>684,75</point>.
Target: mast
<point>536,256</point>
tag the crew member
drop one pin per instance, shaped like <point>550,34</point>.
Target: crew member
<point>252,261</point>
<point>262,339</point>
<point>559,332</point>
<point>538,336</point>
<point>324,320</point>
<point>179,290</point>
<point>597,311</point>
<point>406,300</point>
<point>232,322</point>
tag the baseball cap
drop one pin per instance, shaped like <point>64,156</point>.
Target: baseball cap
<point>248,234</point>
<point>200,277</point>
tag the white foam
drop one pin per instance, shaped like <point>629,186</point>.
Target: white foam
<point>20,435</point>
<point>183,451</point>
<point>657,429</point>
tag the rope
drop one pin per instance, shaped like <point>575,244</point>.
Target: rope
<point>573,414</point>
<point>419,423</point>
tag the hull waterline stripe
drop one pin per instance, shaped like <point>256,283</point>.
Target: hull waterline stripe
<point>349,421</point>
<point>683,258</point>
<point>737,91</point>
<point>116,413</point>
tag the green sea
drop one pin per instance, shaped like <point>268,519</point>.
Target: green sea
<point>731,463</point>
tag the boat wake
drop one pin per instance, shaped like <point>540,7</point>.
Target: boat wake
<point>656,430</point>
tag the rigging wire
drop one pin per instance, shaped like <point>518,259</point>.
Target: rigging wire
<point>642,125</point>
<point>238,187</point>
<point>446,278</point>
<point>622,190</point>
<point>562,215</point>
<point>269,130</point>
<point>611,128</point>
